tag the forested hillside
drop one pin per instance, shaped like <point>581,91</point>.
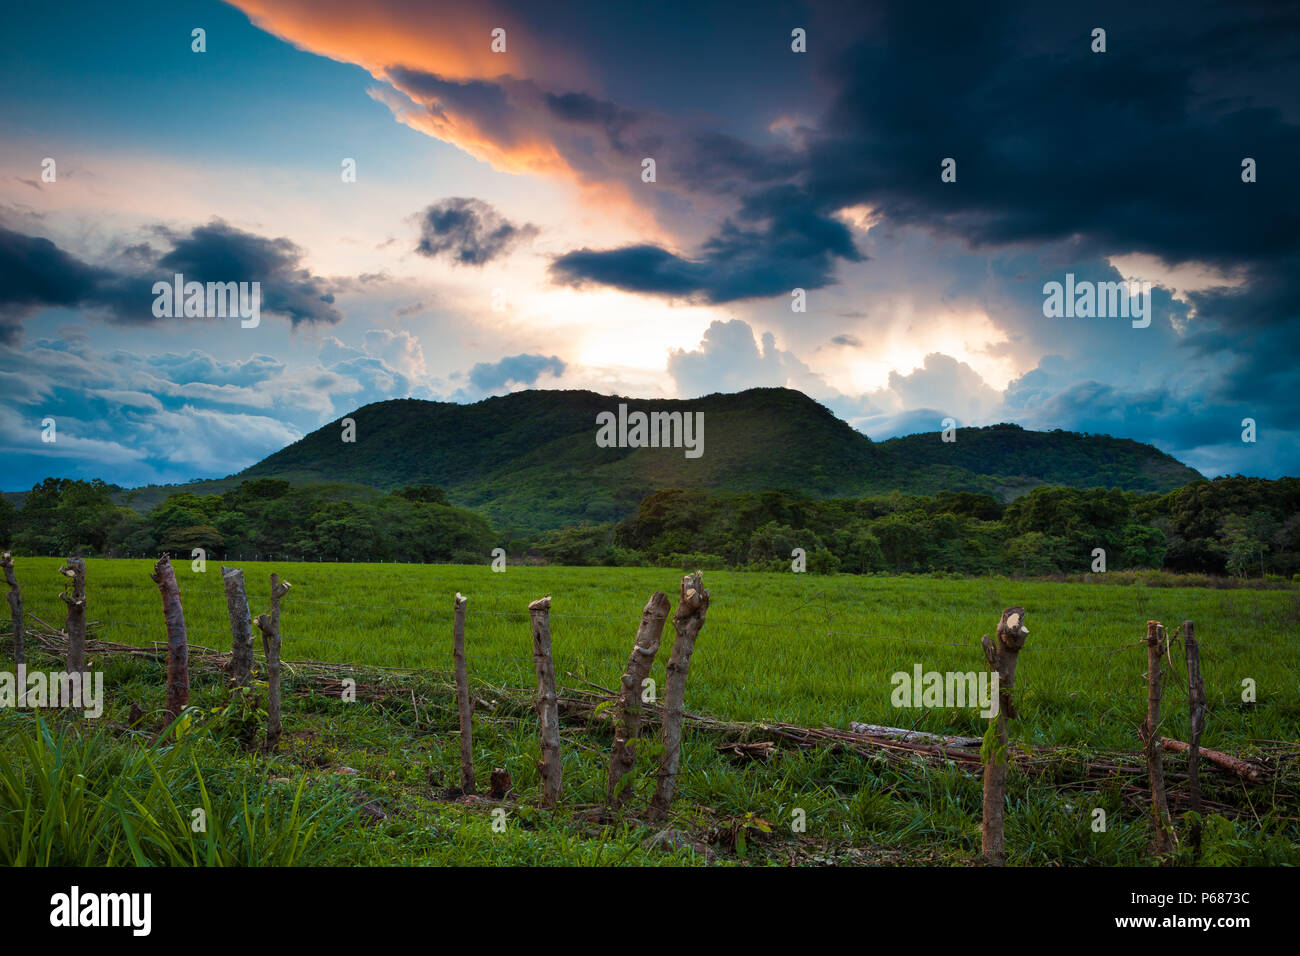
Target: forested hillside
<point>529,461</point>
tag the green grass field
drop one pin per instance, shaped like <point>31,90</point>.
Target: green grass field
<point>804,649</point>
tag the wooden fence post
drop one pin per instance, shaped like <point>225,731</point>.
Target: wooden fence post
<point>178,662</point>
<point>1001,656</point>
<point>1162,837</point>
<point>15,614</point>
<point>499,780</point>
<point>622,758</point>
<point>269,625</point>
<point>241,627</point>
<point>688,620</point>
<point>464,702</point>
<point>75,570</point>
<point>548,711</point>
<point>1196,724</point>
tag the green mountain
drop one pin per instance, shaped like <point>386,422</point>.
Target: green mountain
<point>1007,461</point>
<point>529,461</point>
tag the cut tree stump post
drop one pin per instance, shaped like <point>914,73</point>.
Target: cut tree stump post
<point>15,615</point>
<point>1162,827</point>
<point>622,758</point>
<point>1195,725</point>
<point>499,780</point>
<point>548,711</point>
<point>269,625</point>
<point>75,571</point>
<point>464,702</point>
<point>1001,656</point>
<point>241,627</point>
<point>688,620</point>
<point>178,662</point>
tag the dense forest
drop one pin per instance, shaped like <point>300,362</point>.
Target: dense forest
<point>1242,527</point>
<point>1229,526</point>
<point>265,517</point>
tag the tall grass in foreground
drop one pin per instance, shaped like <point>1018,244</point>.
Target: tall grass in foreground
<point>70,798</point>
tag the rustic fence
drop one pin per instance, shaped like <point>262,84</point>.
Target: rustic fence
<point>629,704</point>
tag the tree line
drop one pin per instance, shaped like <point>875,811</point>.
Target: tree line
<point>260,518</point>
<point>1237,526</point>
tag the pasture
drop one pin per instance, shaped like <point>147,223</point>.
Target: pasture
<point>803,649</point>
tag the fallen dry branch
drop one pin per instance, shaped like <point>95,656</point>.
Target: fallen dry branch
<point>900,733</point>
<point>53,642</point>
<point>1242,768</point>
<point>754,750</point>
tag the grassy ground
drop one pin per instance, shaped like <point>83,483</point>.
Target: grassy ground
<point>801,648</point>
<point>373,776</point>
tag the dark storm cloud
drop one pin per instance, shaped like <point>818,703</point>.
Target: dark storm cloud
<point>584,109</point>
<point>35,274</point>
<point>716,162</point>
<point>520,369</point>
<point>218,252</point>
<point>1254,328</point>
<point>1052,140</point>
<point>776,243</point>
<point>643,268</point>
<point>468,232</point>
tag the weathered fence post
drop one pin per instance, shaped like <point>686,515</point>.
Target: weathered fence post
<point>548,710</point>
<point>1196,724</point>
<point>241,627</point>
<point>269,625</point>
<point>1001,656</point>
<point>75,628</point>
<point>464,702</point>
<point>499,780</point>
<point>687,622</point>
<point>15,613</point>
<point>622,758</point>
<point>1162,837</point>
<point>178,662</point>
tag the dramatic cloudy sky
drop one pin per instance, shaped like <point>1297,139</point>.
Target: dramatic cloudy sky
<point>499,235</point>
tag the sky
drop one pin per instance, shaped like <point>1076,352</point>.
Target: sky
<point>919,172</point>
